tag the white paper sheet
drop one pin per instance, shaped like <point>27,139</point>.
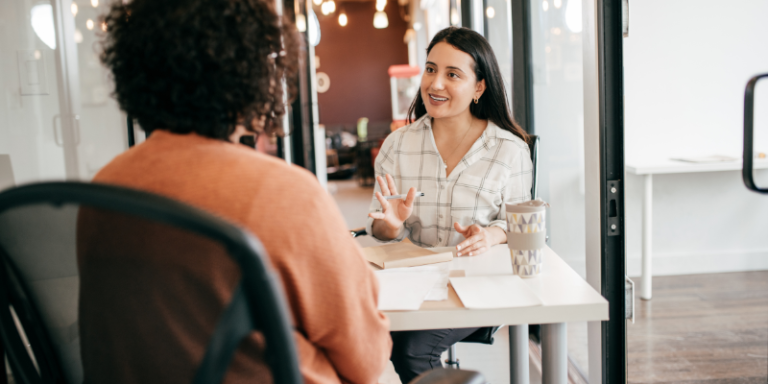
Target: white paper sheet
<point>404,289</point>
<point>501,291</point>
<point>439,291</point>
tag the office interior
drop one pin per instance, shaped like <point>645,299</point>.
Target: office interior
<point>690,226</point>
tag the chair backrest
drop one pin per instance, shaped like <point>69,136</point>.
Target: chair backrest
<point>45,229</point>
<point>533,145</point>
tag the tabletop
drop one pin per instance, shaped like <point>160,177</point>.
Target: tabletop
<point>660,166</point>
<point>566,296</point>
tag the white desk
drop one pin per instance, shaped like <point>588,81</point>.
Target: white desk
<point>566,296</point>
<point>648,169</point>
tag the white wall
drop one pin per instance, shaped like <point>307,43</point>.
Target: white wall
<point>685,67</point>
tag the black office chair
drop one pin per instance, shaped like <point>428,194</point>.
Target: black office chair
<point>40,284</point>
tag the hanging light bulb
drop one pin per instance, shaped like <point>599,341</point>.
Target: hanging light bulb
<point>89,24</point>
<point>558,3</point>
<point>317,2</point>
<point>74,9</point>
<point>103,26</point>
<point>78,36</point>
<point>380,20</point>
<point>326,8</point>
<point>94,3</point>
<point>380,4</point>
<point>343,19</point>
<point>490,12</point>
<point>332,6</point>
<point>301,23</point>
<point>545,5</point>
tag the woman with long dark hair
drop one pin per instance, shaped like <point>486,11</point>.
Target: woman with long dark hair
<point>468,156</point>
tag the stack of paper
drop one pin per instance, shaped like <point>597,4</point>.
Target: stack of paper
<point>401,255</point>
<point>501,291</point>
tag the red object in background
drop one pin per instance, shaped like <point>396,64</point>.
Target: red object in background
<point>403,70</point>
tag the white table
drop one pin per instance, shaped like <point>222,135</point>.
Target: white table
<point>566,296</point>
<point>648,169</point>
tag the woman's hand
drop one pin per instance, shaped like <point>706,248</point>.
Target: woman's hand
<point>478,239</point>
<point>393,212</point>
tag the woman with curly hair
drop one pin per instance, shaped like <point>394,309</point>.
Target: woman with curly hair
<point>198,75</point>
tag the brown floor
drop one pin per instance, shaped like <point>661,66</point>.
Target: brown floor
<point>701,329</point>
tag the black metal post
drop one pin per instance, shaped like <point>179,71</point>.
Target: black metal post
<point>613,247</point>
<point>466,13</point>
<point>522,65</point>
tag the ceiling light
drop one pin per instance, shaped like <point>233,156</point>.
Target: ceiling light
<point>490,12</point>
<point>326,8</point>
<point>380,4</point>
<point>74,9</point>
<point>78,36</point>
<point>417,26</point>
<point>89,24</point>
<point>380,20</point>
<point>332,6</point>
<point>455,17</point>
<point>94,3</point>
<point>343,19</point>
<point>545,5</point>
<point>558,3</point>
<point>317,2</point>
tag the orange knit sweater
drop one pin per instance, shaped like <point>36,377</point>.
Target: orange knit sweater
<point>167,316</point>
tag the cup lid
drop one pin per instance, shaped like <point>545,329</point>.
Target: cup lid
<point>537,205</point>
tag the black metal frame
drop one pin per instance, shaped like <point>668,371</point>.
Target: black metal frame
<point>301,114</point>
<point>613,247</point>
<point>749,125</point>
<point>259,287</point>
<point>522,65</point>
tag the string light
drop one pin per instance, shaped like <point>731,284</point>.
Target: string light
<point>343,19</point>
<point>380,20</point>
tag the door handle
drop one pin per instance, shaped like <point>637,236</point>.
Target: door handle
<point>57,127</point>
<point>749,122</point>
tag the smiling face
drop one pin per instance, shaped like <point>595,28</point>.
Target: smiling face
<point>449,83</point>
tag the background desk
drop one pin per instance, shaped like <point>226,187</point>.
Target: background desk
<point>648,169</point>
<point>566,296</point>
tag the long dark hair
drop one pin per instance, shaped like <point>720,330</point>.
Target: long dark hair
<point>493,104</point>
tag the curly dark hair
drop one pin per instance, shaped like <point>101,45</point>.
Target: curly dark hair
<point>200,66</point>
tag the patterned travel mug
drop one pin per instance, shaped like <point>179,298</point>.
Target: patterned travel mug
<point>526,236</point>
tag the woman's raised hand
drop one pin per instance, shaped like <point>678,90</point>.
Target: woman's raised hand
<point>393,212</point>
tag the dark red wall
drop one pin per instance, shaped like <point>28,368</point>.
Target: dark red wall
<point>356,59</point>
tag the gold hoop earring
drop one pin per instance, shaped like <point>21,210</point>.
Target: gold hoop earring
<point>475,100</point>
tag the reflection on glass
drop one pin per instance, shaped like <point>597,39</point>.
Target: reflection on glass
<point>558,116</point>
<point>42,24</point>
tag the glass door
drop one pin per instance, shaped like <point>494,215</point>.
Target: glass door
<point>57,120</point>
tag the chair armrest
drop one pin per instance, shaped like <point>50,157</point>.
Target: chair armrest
<point>449,376</point>
<point>357,232</point>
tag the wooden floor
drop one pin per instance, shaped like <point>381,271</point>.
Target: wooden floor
<point>701,329</point>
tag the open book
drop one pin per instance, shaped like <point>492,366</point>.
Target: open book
<point>401,255</point>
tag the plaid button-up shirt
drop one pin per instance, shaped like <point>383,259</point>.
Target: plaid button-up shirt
<point>496,170</point>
